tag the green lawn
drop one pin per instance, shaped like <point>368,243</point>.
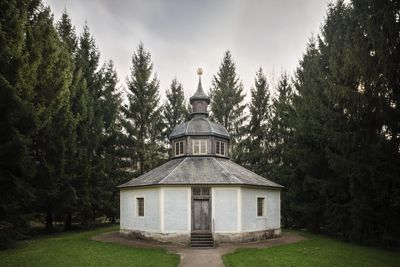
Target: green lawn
<point>76,249</point>
<point>315,251</point>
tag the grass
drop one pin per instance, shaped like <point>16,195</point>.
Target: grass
<point>77,249</point>
<point>315,251</point>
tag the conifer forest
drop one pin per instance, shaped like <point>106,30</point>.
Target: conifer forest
<point>72,130</point>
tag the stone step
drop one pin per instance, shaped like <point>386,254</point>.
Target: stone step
<point>201,238</point>
<point>201,235</point>
<point>202,245</point>
<point>201,241</point>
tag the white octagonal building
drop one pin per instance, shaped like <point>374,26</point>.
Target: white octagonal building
<point>200,197</point>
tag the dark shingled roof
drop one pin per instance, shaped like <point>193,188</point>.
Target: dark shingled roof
<point>199,94</point>
<point>199,126</point>
<point>198,171</point>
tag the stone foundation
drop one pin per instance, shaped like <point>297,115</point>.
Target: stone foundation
<point>177,238</point>
<point>184,239</point>
<point>246,236</point>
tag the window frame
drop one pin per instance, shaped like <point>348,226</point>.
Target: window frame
<point>263,208</point>
<point>200,141</point>
<point>138,207</point>
<point>179,148</point>
<point>220,147</point>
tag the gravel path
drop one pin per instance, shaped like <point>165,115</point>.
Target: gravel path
<point>198,257</point>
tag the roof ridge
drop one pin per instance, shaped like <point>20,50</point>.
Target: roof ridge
<point>227,170</point>
<point>209,122</point>
<point>172,171</point>
<point>187,126</point>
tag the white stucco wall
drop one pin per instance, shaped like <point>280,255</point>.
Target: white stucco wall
<point>250,220</point>
<point>177,209</point>
<point>168,209</point>
<point>225,209</point>
<point>129,217</point>
<point>274,209</point>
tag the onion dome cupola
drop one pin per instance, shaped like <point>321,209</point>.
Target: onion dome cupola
<point>199,136</point>
<point>199,100</point>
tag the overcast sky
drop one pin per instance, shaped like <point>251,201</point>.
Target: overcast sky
<point>184,35</point>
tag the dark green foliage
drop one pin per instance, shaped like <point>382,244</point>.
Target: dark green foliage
<point>256,144</point>
<point>344,153</point>
<point>280,140</point>
<point>227,107</point>
<point>112,150</point>
<point>60,134</point>
<point>76,163</point>
<point>174,110</point>
<point>51,75</point>
<point>18,119</point>
<point>331,136</point>
<point>143,115</point>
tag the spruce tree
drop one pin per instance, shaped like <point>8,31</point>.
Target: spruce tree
<point>87,60</point>
<point>280,138</point>
<point>52,77</point>
<point>18,120</point>
<point>227,106</point>
<point>377,51</point>
<point>256,156</point>
<point>307,204</point>
<point>143,117</point>
<point>345,156</point>
<point>112,144</point>
<point>77,165</point>
<point>174,110</point>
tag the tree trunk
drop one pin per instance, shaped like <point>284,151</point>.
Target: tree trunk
<point>68,221</point>
<point>49,217</point>
<point>94,214</point>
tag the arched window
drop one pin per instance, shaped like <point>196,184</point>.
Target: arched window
<point>200,107</point>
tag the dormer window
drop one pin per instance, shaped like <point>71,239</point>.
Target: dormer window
<point>199,146</point>
<point>220,148</point>
<point>179,148</point>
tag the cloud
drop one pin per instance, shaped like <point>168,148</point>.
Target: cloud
<point>183,35</point>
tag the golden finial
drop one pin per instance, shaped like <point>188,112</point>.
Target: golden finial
<point>199,71</point>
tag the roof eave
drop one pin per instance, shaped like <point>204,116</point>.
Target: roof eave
<point>203,184</point>
<point>199,134</point>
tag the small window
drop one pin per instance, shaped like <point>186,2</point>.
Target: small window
<point>197,191</point>
<point>196,147</point>
<point>140,206</point>
<point>179,148</point>
<point>260,206</point>
<point>201,191</point>
<point>199,146</point>
<point>203,147</point>
<point>220,148</point>
<point>205,191</point>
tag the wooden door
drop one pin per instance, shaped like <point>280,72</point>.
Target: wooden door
<point>201,215</point>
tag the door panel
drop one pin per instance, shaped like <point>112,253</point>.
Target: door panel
<point>205,216</point>
<point>201,218</point>
<point>197,214</point>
